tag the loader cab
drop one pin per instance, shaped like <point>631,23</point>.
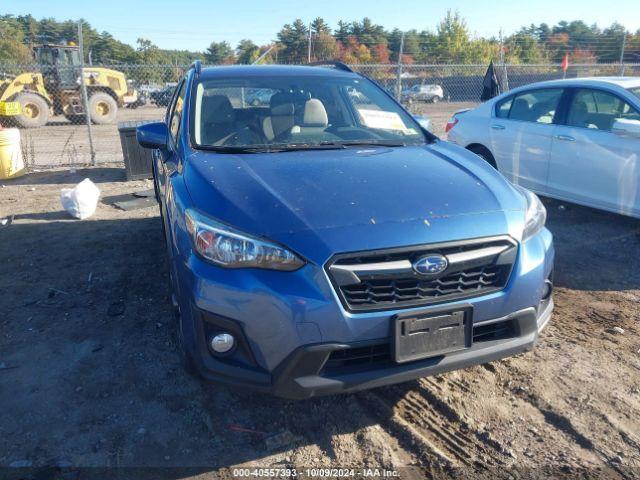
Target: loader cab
<point>60,65</point>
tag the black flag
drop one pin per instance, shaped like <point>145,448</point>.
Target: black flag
<point>490,84</point>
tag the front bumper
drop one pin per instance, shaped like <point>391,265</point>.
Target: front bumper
<point>304,373</point>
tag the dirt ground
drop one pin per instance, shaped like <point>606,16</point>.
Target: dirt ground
<point>89,376</point>
<point>62,143</point>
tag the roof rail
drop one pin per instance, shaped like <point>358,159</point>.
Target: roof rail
<point>334,64</point>
<point>197,67</point>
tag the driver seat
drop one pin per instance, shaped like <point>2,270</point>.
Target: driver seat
<point>218,119</point>
<point>281,118</point>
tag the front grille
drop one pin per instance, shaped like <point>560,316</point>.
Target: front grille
<point>384,280</point>
<point>358,358</point>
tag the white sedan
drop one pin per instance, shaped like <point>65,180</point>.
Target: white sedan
<point>576,140</point>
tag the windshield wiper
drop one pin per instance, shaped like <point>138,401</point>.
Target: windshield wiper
<point>290,147</point>
<point>272,148</point>
<point>377,143</point>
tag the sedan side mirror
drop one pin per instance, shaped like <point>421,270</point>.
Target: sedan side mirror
<point>423,121</point>
<point>626,127</point>
<point>152,135</point>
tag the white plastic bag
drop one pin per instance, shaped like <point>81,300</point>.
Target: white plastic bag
<point>80,201</point>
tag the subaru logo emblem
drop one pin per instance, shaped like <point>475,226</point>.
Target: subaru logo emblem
<point>430,265</point>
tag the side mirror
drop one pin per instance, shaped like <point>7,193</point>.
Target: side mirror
<point>152,135</point>
<point>626,128</point>
<point>423,121</point>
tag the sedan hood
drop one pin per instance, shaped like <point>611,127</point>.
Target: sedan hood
<point>321,202</point>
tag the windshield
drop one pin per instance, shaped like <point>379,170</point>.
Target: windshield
<point>294,112</point>
<point>635,91</point>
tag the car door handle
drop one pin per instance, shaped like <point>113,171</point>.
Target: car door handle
<point>566,138</point>
<point>495,126</point>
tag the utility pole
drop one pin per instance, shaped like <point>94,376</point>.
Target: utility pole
<point>505,79</point>
<point>624,43</point>
<point>83,90</point>
<point>399,79</point>
<point>309,50</point>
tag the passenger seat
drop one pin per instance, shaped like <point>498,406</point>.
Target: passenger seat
<point>314,119</point>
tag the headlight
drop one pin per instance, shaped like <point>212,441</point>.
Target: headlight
<point>535,215</point>
<point>230,248</point>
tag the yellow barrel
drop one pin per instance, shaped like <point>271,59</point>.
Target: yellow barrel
<point>11,163</point>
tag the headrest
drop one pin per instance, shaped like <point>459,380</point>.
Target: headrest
<point>282,104</point>
<point>217,109</point>
<point>315,114</point>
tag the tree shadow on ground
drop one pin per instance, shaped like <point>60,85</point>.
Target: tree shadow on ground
<point>106,382</point>
<point>62,176</point>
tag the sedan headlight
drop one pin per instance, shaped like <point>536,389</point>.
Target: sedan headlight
<point>535,215</point>
<point>229,248</point>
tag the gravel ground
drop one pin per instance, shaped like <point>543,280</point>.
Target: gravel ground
<point>89,376</point>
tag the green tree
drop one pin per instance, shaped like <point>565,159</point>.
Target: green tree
<point>368,33</point>
<point>12,48</point>
<point>294,39</point>
<point>320,27</point>
<point>524,47</point>
<point>147,52</point>
<point>219,53</point>
<point>247,52</point>
<point>343,31</point>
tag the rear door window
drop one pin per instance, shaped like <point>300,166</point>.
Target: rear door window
<point>503,107</point>
<point>537,106</point>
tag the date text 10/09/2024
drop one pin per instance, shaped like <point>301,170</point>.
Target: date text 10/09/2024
<point>313,473</point>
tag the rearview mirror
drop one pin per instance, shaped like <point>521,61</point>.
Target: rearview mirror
<point>152,135</point>
<point>423,121</point>
<point>626,128</point>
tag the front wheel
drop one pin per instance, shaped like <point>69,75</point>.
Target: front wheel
<point>34,110</point>
<point>484,153</point>
<point>435,99</point>
<point>102,108</point>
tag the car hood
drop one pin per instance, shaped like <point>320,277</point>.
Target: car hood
<point>321,202</point>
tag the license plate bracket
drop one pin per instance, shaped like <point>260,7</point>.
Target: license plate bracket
<point>429,334</point>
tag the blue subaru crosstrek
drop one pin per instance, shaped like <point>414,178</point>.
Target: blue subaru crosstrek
<point>323,241</point>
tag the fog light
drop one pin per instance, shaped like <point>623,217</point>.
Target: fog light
<point>222,342</point>
<point>547,289</point>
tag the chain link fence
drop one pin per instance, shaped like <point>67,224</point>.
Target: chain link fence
<point>54,126</point>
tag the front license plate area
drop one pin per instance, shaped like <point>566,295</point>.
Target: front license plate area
<point>431,334</point>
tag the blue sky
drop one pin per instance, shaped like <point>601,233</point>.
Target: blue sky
<point>193,24</point>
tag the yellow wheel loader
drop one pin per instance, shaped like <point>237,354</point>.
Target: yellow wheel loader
<point>55,90</point>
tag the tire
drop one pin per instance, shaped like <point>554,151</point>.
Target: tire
<point>184,354</point>
<point>435,99</point>
<point>484,153</point>
<point>102,108</point>
<point>35,110</point>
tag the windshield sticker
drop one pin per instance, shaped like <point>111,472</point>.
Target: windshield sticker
<point>382,120</point>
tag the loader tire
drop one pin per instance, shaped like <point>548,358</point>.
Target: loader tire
<point>102,108</point>
<point>34,110</point>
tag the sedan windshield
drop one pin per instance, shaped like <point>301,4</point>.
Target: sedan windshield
<point>297,112</point>
<point>635,91</point>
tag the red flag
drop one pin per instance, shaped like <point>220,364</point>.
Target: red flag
<point>565,62</point>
